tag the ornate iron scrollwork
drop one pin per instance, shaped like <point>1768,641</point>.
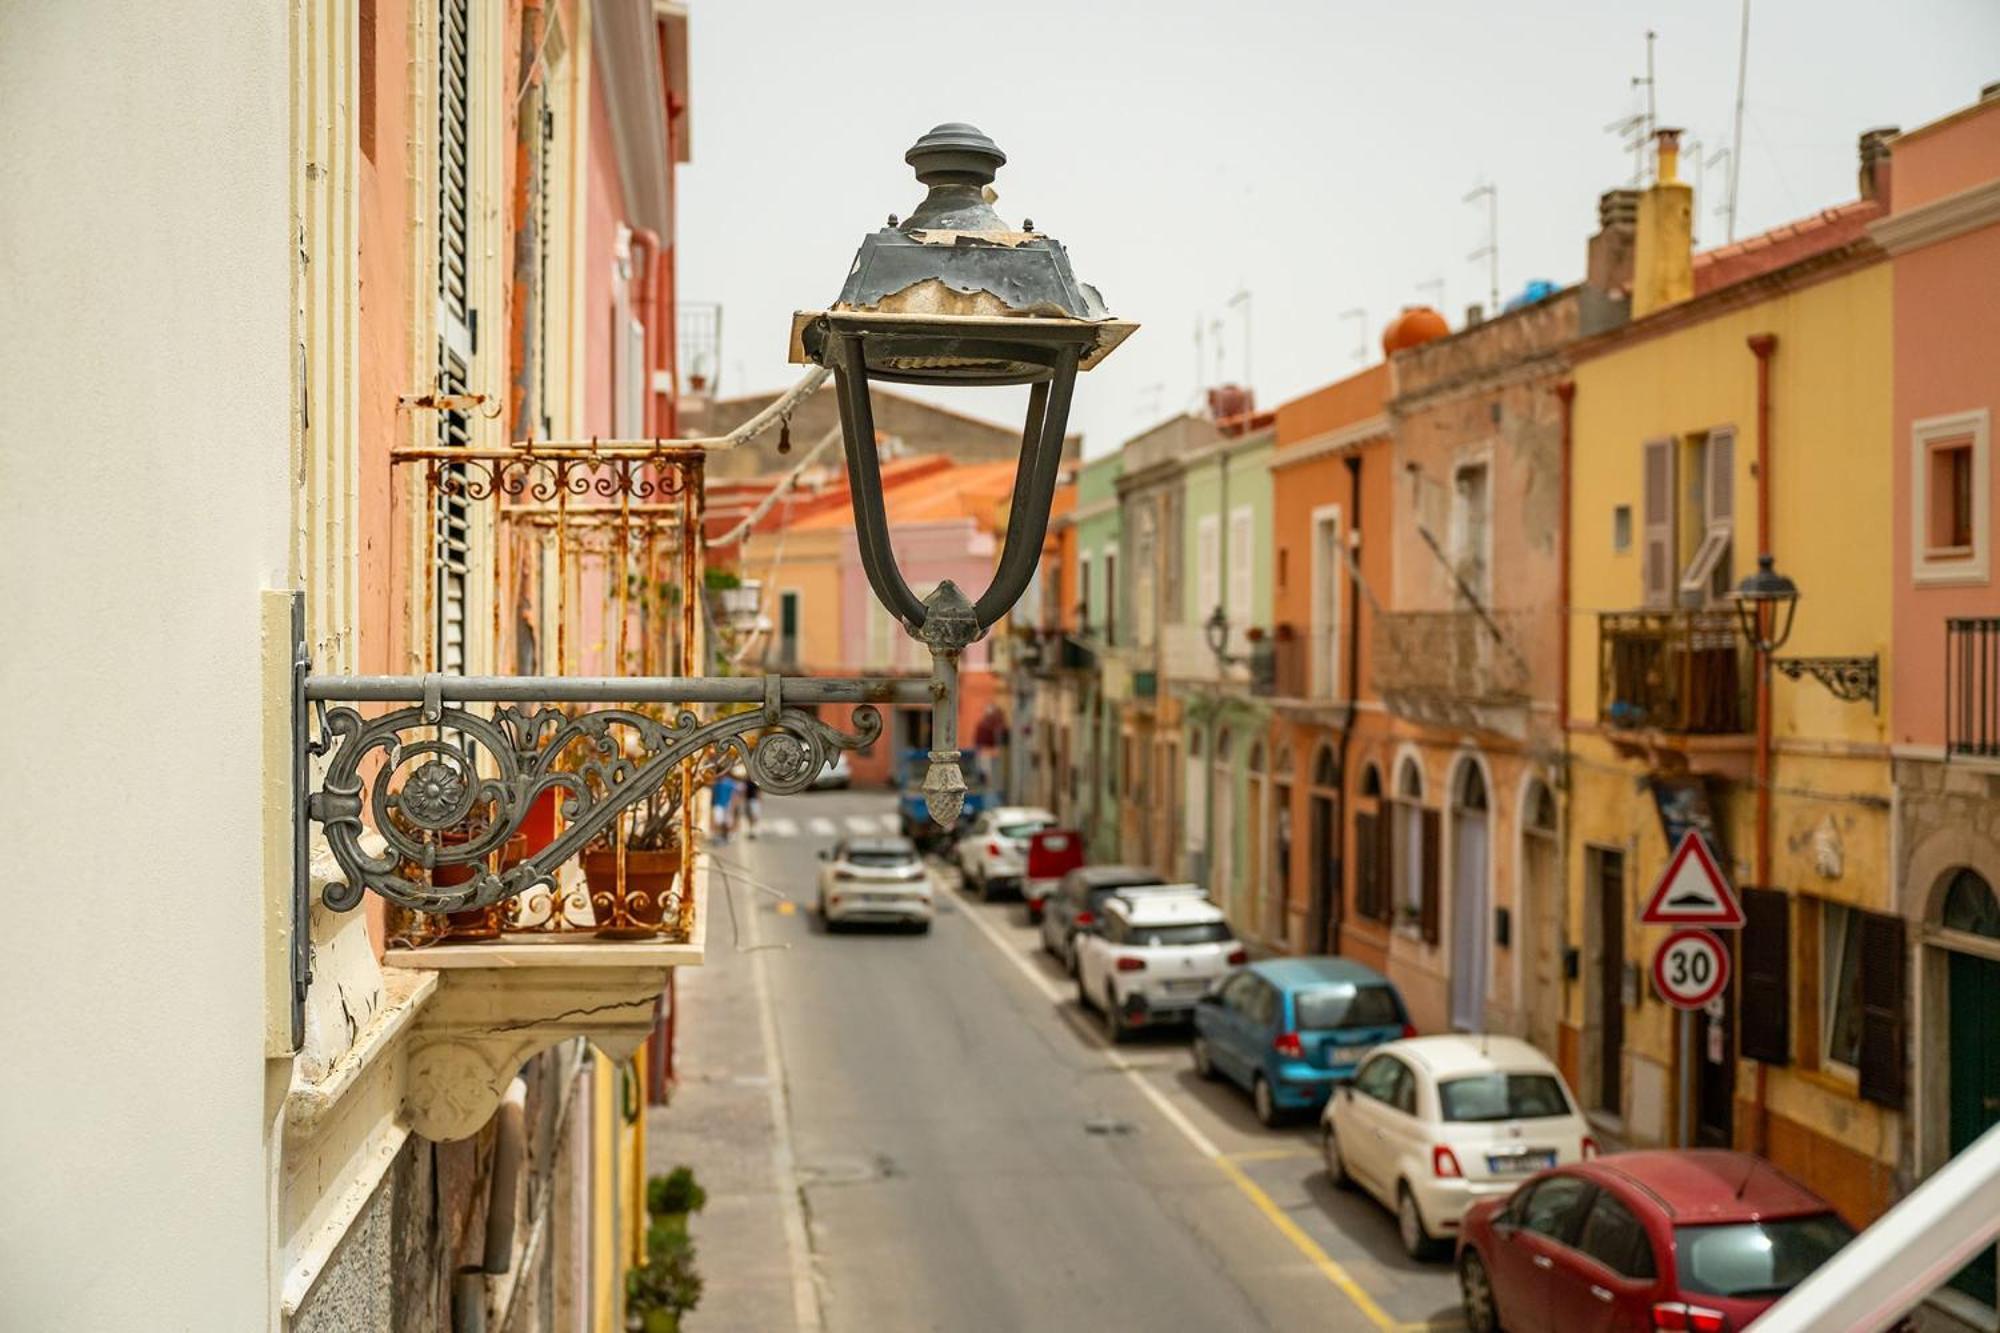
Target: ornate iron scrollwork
<point>426,771</point>
<point>1851,679</point>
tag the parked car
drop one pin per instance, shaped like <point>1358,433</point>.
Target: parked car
<point>1155,952</point>
<point>1703,1240</point>
<point>837,774</point>
<point>882,879</point>
<point>1432,1125</point>
<point>1052,853</point>
<point>993,853</point>
<point>1077,901</point>
<point>1286,1029</point>
<point>913,808</point>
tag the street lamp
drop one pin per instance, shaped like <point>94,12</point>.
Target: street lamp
<point>1216,631</point>
<point>1766,604</point>
<point>954,296</point>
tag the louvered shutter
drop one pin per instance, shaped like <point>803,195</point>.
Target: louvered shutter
<point>1385,869</point>
<point>1240,571</point>
<point>1721,492</point>
<point>1656,543</point>
<point>1433,824</point>
<point>1367,863</point>
<point>1884,1016</point>
<point>451,515</point>
<point>1766,948</point>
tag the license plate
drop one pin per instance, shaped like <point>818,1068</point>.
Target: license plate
<point>1519,1163</point>
<point>1351,1055</point>
<point>1194,987</point>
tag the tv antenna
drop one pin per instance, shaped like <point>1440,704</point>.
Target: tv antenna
<point>1490,251</point>
<point>1360,316</point>
<point>1736,135</point>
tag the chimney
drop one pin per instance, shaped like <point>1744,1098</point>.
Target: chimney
<point>1875,162</point>
<point>1475,315</point>
<point>1608,267</point>
<point>1663,248</point>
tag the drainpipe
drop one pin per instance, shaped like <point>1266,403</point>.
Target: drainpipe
<point>1566,405</point>
<point>646,282</point>
<point>1344,828</point>
<point>510,1146</point>
<point>1762,345</point>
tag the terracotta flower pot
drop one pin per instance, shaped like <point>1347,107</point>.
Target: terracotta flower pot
<point>637,909</point>
<point>476,923</point>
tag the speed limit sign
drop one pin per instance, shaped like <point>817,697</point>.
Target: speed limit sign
<point>1691,968</point>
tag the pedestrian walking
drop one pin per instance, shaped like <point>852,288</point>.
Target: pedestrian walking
<point>724,800</point>
<point>753,807</point>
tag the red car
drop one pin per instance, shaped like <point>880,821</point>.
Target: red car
<point>1702,1240</point>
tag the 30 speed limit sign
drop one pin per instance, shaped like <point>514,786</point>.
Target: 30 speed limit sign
<point>1691,968</point>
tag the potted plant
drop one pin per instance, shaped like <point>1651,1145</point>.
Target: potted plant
<point>631,881</point>
<point>473,923</point>
<point>666,1286</point>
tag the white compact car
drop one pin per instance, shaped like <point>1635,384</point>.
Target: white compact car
<point>1430,1125</point>
<point>836,774</point>
<point>993,853</point>
<point>1153,953</point>
<point>882,880</point>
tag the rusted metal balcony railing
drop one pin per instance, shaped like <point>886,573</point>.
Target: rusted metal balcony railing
<point>1461,655</point>
<point>1671,671</point>
<point>1972,686</point>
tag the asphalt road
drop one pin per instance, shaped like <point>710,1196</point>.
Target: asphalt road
<point>967,1152</point>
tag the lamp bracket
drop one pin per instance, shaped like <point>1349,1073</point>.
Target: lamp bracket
<point>1851,679</point>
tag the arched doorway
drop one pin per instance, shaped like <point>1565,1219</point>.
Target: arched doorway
<point>1967,928</point>
<point>1541,910</point>
<point>1323,908</point>
<point>1408,860</point>
<point>1256,821</point>
<point>1471,941</point>
<point>1223,829</point>
<point>1278,900</point>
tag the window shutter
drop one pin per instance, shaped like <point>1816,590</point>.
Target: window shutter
<point>1883,1015</point>
<point>452,516</point>
<point>1656,547</point>
<point>1433,824</point>
<point>1385,868</point>
<point>1765,1006</point>
<point>1367,863</point>
<point>1720,484</point>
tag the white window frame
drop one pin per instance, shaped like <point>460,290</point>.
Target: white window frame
<point>1833,946</point>
<point>1242,589</point>
<point>1207,566</point>
<point>1480,460</point>
<point>1701,569</point>
<point>1326,577</point>
<point>1975,567</point>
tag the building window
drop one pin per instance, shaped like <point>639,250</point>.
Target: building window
<point>1689,508</point>
<point>1621,529</point>
<point>1840,985</point>
<point>1951,484</point>
<point>1471,518</point>
<point>1110,596</point>
<point>1083,593</point>
<point>1208,565</point>
<point>788,628</point>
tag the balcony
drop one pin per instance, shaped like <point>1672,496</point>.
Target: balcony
<point>1460,668</point>
<point>1674,672</point>
<point>1972,687</point>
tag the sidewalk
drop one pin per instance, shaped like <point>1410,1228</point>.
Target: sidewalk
<point>721,1123</point>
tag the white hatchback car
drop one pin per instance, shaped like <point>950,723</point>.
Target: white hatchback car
<point>876,879</point>
<point>994,852</point>
<point>1430,1125</point>
<point>1154,952</point>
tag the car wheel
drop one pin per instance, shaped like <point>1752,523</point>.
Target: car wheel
<point>1204,1064</point>
<point>1417,1242</point>
<point>1082,991</point>
<point>1114,1022</point>
<point>1069,957</point>
<point>1336,1165</point>
<point>922,927</point>
<point>1475,1295</point>
<point>1264,1102</point>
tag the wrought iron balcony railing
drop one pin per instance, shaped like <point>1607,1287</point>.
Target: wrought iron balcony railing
<point>1671,671</point>
<point>1972,686</point>
<point>1461,656</point>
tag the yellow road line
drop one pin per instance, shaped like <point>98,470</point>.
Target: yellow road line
<point>1304,1244</point>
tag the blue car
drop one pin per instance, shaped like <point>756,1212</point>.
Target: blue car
<point>1288,1029</point>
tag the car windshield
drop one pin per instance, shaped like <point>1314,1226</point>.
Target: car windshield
<point>1750,1259</point>
<point>878,859</point>
<point>1334,1007</point>
<point>1027,828</point>
<point>1199,932</point>
<point>1503,1097</point>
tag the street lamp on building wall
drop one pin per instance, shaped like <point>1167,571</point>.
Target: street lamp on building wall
<point>1766,603</point>
<point>952,296</point>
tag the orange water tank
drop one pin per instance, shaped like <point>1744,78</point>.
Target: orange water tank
<point>1417,325</point>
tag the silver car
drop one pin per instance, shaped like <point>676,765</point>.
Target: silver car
<point>1077,901</point>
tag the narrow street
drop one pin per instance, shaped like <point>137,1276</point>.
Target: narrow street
<point>959,1148</point>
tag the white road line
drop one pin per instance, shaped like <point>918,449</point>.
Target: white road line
<point>821,827</point>
<point>863,825</point>
<point>892,823</point>
<point>1202,1143</point>
<point>784,1157</point>
<point>780,827</point>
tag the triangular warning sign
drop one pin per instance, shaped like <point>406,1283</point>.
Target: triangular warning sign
<point>1692,892</point>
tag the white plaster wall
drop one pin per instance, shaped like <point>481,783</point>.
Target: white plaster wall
<point>145,387</point>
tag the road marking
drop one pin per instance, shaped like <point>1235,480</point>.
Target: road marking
<point>1306,1245</point>
<point>1269,1155</point>
<point>784,1156</point>
<point>892,823</point>
<point>863,825</point>
<point>780,827</point>
<point>821,827</point>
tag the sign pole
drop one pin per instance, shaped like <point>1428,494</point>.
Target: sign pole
<point>1686,1019</point>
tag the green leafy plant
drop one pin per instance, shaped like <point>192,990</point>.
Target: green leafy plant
<point>718,579</point>
<point>666,1286</point>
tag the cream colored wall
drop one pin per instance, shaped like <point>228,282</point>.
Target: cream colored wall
<point>147,496</point>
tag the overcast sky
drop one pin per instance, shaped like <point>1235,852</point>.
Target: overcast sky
<point>1313,153</point>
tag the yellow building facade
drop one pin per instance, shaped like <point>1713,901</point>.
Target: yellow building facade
<point>1789,363</point>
